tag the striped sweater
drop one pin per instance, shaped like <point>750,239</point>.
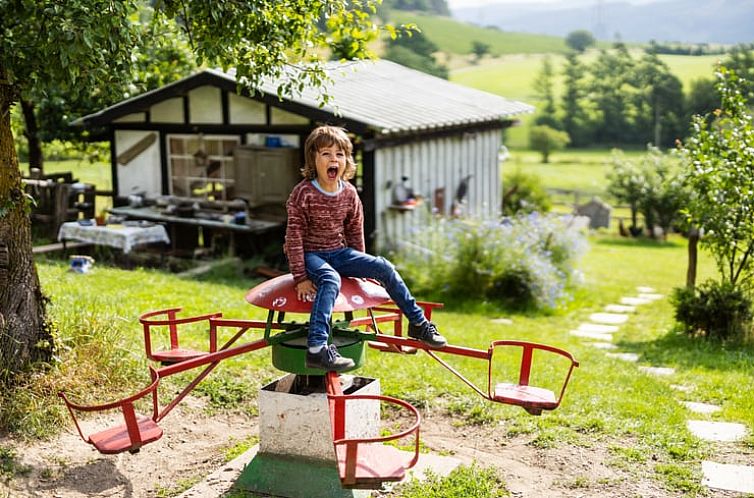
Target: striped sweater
<point>320,222</point>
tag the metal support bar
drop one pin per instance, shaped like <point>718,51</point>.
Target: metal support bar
<point>457,373</point>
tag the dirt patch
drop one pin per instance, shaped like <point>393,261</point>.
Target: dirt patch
<point>564,471</point>
<point>194,445</point>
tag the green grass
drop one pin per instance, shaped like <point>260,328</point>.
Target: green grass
<point>463,481</point>
<point>606,402</point>
<point>97,173</point>
<point>584,170</point>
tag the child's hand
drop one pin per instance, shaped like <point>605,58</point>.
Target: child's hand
<point>306,290</point>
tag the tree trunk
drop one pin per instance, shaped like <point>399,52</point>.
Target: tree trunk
<point>24,331</point>
<point>691,270</point>
<point>31,132</point>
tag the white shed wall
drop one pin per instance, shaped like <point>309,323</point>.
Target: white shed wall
<point>167,111</point>
<point>142,174</point>
<point>430,165</point>
<point>205,105</point>
<point>244,110</point>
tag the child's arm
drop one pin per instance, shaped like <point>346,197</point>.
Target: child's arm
<point>354,225</point>
<point>294,240</point>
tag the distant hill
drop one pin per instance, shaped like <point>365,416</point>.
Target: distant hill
<point>688,21</point>
<point>455,37</point>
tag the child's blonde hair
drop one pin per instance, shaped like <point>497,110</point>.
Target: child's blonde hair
<point>327,136</point>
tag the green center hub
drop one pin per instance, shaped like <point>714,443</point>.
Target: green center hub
<point>290,356</point>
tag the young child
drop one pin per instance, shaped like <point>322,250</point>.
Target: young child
<point>324,241</point>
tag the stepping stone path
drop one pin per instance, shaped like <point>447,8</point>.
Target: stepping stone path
<point>716,431</point>
<point>658,370</point>
<point>598,327</point>
<point>701,407</point>
<point>601,326</point>
<point>650,297</point>
<point>592,335</point>
<point>634,301</point>
<point>620,308</point>
<point>602,345</point>
<point>631,357</point>
<point>729,477</point>
<point>609,318</point>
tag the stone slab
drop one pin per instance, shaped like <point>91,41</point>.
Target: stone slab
<point>716,431</point>
<point>602,345</point>
<point>701,407</point>
<point>632,357</point>
<point>658,370</point>
<point>592,335</point>
<point>682,388</point>
<point>739,478</point>
<point>620,308</point>
<point>609,318</point>
<point>502,321</point>
<point>644,289</point>
<point>650,296</point>
<point>599,328</point>
<point>634,301</point>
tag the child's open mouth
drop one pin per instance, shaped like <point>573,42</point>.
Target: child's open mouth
<point>332,172</point>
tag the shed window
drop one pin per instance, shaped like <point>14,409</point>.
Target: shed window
<point>201,165</point>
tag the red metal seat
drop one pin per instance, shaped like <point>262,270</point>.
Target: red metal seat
<point>533,399</point>
<point>137,430</point>
<point>366,462</point>
<point>170,320</point>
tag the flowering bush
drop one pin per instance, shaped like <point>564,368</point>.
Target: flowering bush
<point>525,261</point>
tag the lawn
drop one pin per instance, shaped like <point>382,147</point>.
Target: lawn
<point>102,349</point>
<point>607,400</point>
<point>584,170</point>
<point>96,173</point>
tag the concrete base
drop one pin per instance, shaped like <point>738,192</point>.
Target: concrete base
<point>295,457</point>
<point>294,478</point>
<point>243,473</point>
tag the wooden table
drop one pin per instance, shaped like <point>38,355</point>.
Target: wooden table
<point>119,236</point>
<point>252,226</point>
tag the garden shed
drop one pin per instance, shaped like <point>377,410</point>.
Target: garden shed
<point>423,144</point>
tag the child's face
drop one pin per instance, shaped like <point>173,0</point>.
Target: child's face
<point>330,164</point>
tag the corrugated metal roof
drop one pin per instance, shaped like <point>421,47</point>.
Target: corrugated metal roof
<point>384,96</point>
<point>392,98</point>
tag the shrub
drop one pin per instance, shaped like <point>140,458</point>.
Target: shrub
<point>545,140</point>
<point>716,310</point>
<point>524,193</point>
<point>523,262</point>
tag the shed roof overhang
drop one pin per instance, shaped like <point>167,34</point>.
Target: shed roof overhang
<point>377,99</point>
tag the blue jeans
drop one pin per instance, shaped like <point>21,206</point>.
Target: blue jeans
<point>325,269</point>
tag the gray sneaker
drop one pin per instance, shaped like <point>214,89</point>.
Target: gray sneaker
<point>428,334</point>
<point>328,359</point>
